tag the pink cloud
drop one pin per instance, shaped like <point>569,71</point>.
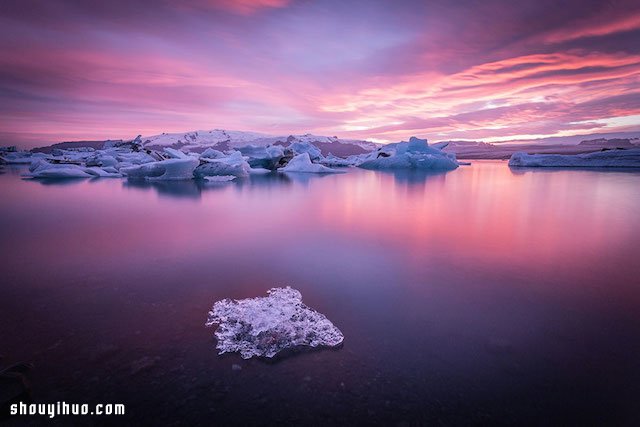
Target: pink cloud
<point>85,70</point>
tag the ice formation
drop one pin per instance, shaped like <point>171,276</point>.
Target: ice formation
<point>210,153</point>
<point>42,169</point>
<point>165,170</point>
<point>20,157</point>
<point>301,147</point>
<point>239,155</point>
<point>335,161</point>
<point>264,326</point>
<point>263,157</point>
<point>234,164</point>
<point>175,154</point>
<point>302,163</point>
<point>415,154</point>
<point>599,159</point>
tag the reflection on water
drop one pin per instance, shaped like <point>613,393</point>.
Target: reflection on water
<point>482,295</point>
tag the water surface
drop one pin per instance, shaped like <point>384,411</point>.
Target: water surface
<point>483,295</point>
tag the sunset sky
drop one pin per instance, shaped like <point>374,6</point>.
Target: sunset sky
<point>381,70</point>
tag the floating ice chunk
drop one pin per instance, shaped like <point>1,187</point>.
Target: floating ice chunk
<point>41,168</point>
<point>134,157</point>
<point>175,154</point>
<point>263,157</point>
<point>415,154</point>
<point>220,178</point>
<point>21,157</point>
<point>234,164</point>
<point>102,160</point>
<point>107,172</point>
<point>169,170</point>
<point>300,147</point>
<point>210,153</point>
<point>335,161</point>
<point>69,171</point>
<point>302,163</point>
<point>264,326</point>
<point>600,159</point>
<point>44,169</point>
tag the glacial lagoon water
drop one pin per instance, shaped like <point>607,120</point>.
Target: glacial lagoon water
<point>480,296</point>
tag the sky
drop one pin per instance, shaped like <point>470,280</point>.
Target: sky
<point>494,70</point>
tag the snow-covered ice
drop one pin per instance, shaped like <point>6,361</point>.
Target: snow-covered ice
<point>415,154</point>
<point>599,159</point>
<point>302,163</point>
<point>264,326</point>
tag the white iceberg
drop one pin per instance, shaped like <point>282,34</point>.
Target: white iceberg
<point>61,173</point>
<point>234,164</point>
<point>301,147</point>
<point>165,170</point>
<point>175,154</point>
<point>264,326</point>
<point>210,153</point>
<point>415,154</point>
<point>599,159</point>
<point>104,172</point>
<point>44,169</point>
<point>263,157</point>
<point>21,157</point>
<point>101,159</point>
<point>133,158</point>
<point>335,161</point>
<point>302,163</point>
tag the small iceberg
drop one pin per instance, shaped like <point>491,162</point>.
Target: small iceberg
<point>169,170</point>
<point>264,326</point>
<point>263,157</point>
<point>42,169</point>
<point>301,147</point>
<point>338,162</point>
<point>599,159</point>
<point>234,164</point>
<point>415,154</point>
<point>302,163</point>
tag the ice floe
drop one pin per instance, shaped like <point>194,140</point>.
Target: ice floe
<point>44,169</point>
<point>339,162</point>
<point>600,159</point>
<point>263,157</point>
<point>302,163</point>
<point>264,326</point>
<point>234,164</point>
<point>170,170</point>
<point>415,154</point>
<point>301,147</point>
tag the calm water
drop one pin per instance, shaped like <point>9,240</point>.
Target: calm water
<point>483,295</point>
